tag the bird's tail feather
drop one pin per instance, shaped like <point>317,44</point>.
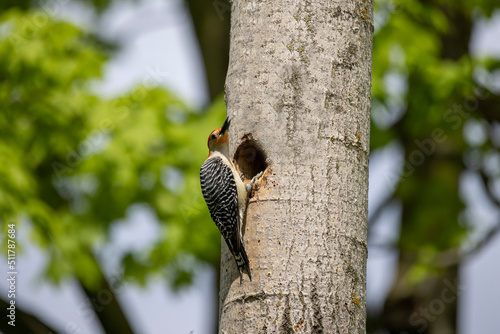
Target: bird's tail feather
<point>242,262</point>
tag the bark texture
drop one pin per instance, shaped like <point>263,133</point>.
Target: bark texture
<point>299,84</point>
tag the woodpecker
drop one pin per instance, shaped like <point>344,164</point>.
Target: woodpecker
<point>226,195</point>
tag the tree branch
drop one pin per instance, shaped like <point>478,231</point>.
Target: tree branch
<point>493,231</point>
<point>372,219</point>
<point>488,107</point>
<point>25,322</point>
<point>452,257</point>
<point>105,304</point>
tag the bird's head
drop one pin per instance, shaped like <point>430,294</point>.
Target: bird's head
<point>218,139</point>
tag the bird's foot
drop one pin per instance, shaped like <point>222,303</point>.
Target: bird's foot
<point>249,186</point>
<point>256,177</point>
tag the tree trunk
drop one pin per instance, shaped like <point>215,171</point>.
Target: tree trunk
<point>211,24</point>
<point>298,86</point>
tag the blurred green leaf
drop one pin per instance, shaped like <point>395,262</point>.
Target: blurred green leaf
<point>74,163</point>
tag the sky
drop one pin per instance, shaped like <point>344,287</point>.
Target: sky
<point>159,48</point>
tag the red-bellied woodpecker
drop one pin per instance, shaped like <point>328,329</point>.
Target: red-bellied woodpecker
<point>226,195</point>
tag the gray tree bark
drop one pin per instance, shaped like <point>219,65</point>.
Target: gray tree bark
<point>299,84</point>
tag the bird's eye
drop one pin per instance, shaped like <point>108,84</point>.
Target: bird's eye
<point>212,136</point>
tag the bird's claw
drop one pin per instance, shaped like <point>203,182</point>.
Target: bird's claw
<point>249,186</point>
<point>256,177</point>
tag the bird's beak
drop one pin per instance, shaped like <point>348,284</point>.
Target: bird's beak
<point>225,126</point>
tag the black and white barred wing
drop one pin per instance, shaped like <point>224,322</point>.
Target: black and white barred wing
<point>219,190</point>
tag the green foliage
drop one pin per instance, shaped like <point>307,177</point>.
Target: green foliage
<point>425,46</point>
<point>52,6</point>
<point>74,163</point>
